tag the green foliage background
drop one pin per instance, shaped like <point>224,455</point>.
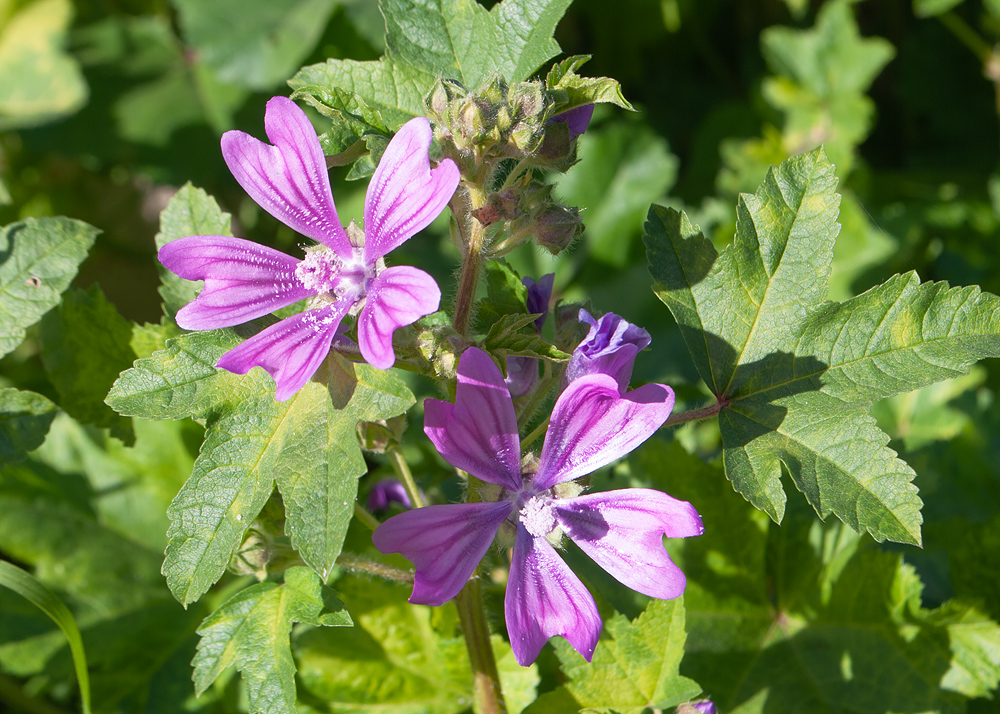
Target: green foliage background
<point>108,111</point>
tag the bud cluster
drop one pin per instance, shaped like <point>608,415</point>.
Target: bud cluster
<point>529,211</point>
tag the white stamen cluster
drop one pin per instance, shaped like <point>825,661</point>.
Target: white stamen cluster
<point>320,270</point>
<point>537,517</point>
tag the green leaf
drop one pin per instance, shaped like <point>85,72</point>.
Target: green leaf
<point>251,631</point>
<point>399,657</point>
<point>795,377</point>
<point>190,212</point>
<point>353,121</point>
<point>28,587</point>
<point>635,666</point>
<point>38,81</point>
<point>516,336</point>
<point>85,345</point>
<point>822,75</point>
<point>263,42</point>
<point>930,8</point>
<point>505,294</point>
<point>810,616</point>
<point>308,444</point>
<point>582,90</point>
<point>25,418</point>
<point>40,257</point>
<point>623,167</point>
<point>451,39</point>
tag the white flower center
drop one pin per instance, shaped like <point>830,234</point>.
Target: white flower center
<point>320,271</point>
<point>538,517</point>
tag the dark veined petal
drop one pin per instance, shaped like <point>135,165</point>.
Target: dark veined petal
<point>398,296</point>
<point>243,280</point>
<point>544,598</point>
<point>289,180</point>
<point>291,351</point>
<point>405,195</point>
<point>478,433</point>
<point>593,425</point>
<point>445,544</point>
<point>622,531</point>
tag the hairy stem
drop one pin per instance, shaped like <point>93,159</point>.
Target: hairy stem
<point>402,470</point>
<point>535,433</point>
<point>486,679</point>
<point>473,232</point>
<point>370,567</point>
<point>694,415</point>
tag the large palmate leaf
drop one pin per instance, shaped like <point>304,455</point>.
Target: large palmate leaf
<point>811,616</point>
<point>39,258</point>
<point>634,667</point>
<point>252,630</point>
<point>453,39</point>
<point>306,444</point>
<point>794,376</point>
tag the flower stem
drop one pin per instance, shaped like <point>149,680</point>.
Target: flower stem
<point>370,567</point>
<point>694,415</point>
<point>473,233</point>
<point>535,433</point>
<point>362,514</point>
<point>402,470</point>
<point>486,679</point>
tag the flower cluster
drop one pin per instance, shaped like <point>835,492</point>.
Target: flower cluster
<point>593,423</point>
<point>345,273</point>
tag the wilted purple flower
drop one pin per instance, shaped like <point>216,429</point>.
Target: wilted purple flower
<point>386,491</point>
<point>592,425</point>
<point>609,348</point>
<point>522,372</point>
<point>344,273</point>
<point>577,119</point>
<point>705,707</point>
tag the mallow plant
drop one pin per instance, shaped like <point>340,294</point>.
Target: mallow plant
<point>542,530</point>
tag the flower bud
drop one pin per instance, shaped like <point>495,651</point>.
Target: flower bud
<point>557,226</point>
<point>386,492</point>
<point>609,348</point>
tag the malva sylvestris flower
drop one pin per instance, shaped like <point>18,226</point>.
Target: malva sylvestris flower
<point>592,425</point>
<point>344,273</point>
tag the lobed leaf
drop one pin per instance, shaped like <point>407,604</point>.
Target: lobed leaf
<point>251,630</point>
<point>39,258</point>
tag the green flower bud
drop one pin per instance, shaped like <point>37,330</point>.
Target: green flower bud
<point>557,226</point>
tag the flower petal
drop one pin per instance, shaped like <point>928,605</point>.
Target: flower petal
<point>538,297</point>
<point>243,280</point>
<point>622,531</point>
<point>609,348</point>
<point>544,598</point>
<point>478,433</point>
<point>289,180</point>
<point>445,544</point>
<point>291,351</point>
<point>405,195</point>
<point>578,119</point>
<point>592,425</point>
<point>398,296</point>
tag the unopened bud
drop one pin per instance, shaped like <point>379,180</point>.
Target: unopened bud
<point>556,227</point>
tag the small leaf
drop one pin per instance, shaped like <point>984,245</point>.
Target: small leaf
<point>86,343</point>
<point>252,629</point>
<point>25,418</point>
<point>515,336</point>
<point>505,294</point>
<point>39,258</point>
<point>191,212</point>
<point>582,90</point>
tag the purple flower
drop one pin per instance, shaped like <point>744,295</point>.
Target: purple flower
<point>522,372</point>
<point>705,707</point>
<point>609,348</point>
<point>577,119</point>
<point>387,491</point>
<point>592,425</point>
<point>344,273</point>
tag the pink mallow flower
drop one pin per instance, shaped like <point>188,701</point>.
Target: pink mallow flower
<point>592,425</point>
<point>344,273</point>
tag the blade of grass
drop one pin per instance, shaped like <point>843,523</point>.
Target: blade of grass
<point>27,586</point>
